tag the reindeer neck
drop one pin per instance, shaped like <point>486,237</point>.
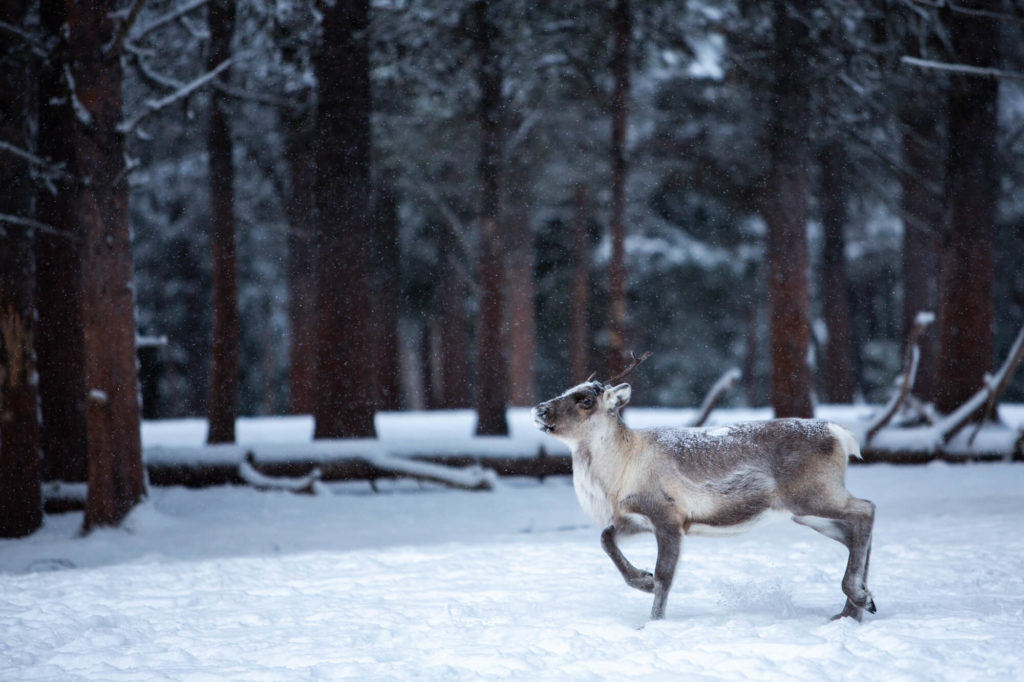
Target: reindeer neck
<point>612,445</point>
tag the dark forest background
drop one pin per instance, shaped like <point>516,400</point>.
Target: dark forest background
<point>699,132</point>
<point>339,208</point>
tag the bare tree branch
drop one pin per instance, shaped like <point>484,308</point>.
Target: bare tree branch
<point>33,41</point>
<point>1001,381</point>
<point>958,419</point>
<point>718,390</point>
<point>122,31</point>
<point>165,19</point>
<point>48,168</point>
<point>985,14</point>
<point>966,69</point>
<point>910,363</point>
<point>28,223</point>
<point>152,106</point>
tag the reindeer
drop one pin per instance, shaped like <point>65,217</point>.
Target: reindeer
<point>707,481</point>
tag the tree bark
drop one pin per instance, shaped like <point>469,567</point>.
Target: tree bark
<point>346,366</point>
<point>972,185</point>
<point>301,211</point>
<point>617,291</point>
<point>387,290</point>
<point>840,383</point>
<point>453,387</point>
<point>579,319</point>
<point>108,306</point>
<point>921,184</point>
<point>222,406</point>
<point>491,374</point>
<point>61,364</point>
<point>21,503</point>
<point>786,218</point>
<point>520,316</point>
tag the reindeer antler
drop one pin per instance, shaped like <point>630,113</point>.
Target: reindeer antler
<point>633,365</point>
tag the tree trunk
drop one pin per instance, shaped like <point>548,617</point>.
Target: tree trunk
<point>61,364</point>
<point>922,231</point>
<point>491,375</point>
<point>21,504</point>
<point>579,320</point>
<point>108,306</point>
<point>839,377</point>
<point>520,317</point>
<point>786,218</point>
<point>617,291</point>
<point>387,291</point>
<point>222,406</point>
<point>972,185</point>
<point>346,366</point>
<point>452,388</point>
<point>301,211</point>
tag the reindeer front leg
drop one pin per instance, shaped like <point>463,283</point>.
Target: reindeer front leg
<point>669,545</point>
<point>634,577</point>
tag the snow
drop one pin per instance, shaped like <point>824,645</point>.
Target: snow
<point>424,582</point>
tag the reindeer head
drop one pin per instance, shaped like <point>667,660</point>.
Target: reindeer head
<point>585,409</point>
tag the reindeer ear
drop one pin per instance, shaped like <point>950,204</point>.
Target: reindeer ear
<point>617,396</point>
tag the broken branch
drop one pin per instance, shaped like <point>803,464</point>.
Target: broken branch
<point>1001,381</point>
<point>965,69</point>
<point>910,362</point>
<point>717,392</point>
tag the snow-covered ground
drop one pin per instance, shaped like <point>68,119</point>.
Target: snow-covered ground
<point>424,582</point>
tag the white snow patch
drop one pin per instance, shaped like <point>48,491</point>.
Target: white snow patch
<point>424,582</point>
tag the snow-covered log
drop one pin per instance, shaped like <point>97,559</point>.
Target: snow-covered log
<point>373,465</point>
<point>474,477</point>
<point>60,496</point>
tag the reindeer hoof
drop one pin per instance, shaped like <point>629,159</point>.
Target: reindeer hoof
<point>851,610</point>
<point>870,607</point>
<point>644,582</point>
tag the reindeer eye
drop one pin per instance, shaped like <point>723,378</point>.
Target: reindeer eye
<point>587,403</point>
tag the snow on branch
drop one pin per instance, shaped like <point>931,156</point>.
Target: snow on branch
<point>966,69</point>
<point>720,388</point>
<point>465,478</point>
<point>49,169</point>
<point>31,39</point>
<point>379,463</point>
<point>304,485</point>
<point>984,14</point>
<point>154,105</point>
<point>998,383</point>
<point>989,393</point>
<point>165,19</point>
<point>910,364</point>
<point>18,221</point>
<point>126,25</point>
<point>83,115</point>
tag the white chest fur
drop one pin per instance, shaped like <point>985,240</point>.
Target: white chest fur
<point>591,494</point>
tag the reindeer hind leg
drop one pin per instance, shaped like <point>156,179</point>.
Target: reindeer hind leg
<point>850,525</point>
